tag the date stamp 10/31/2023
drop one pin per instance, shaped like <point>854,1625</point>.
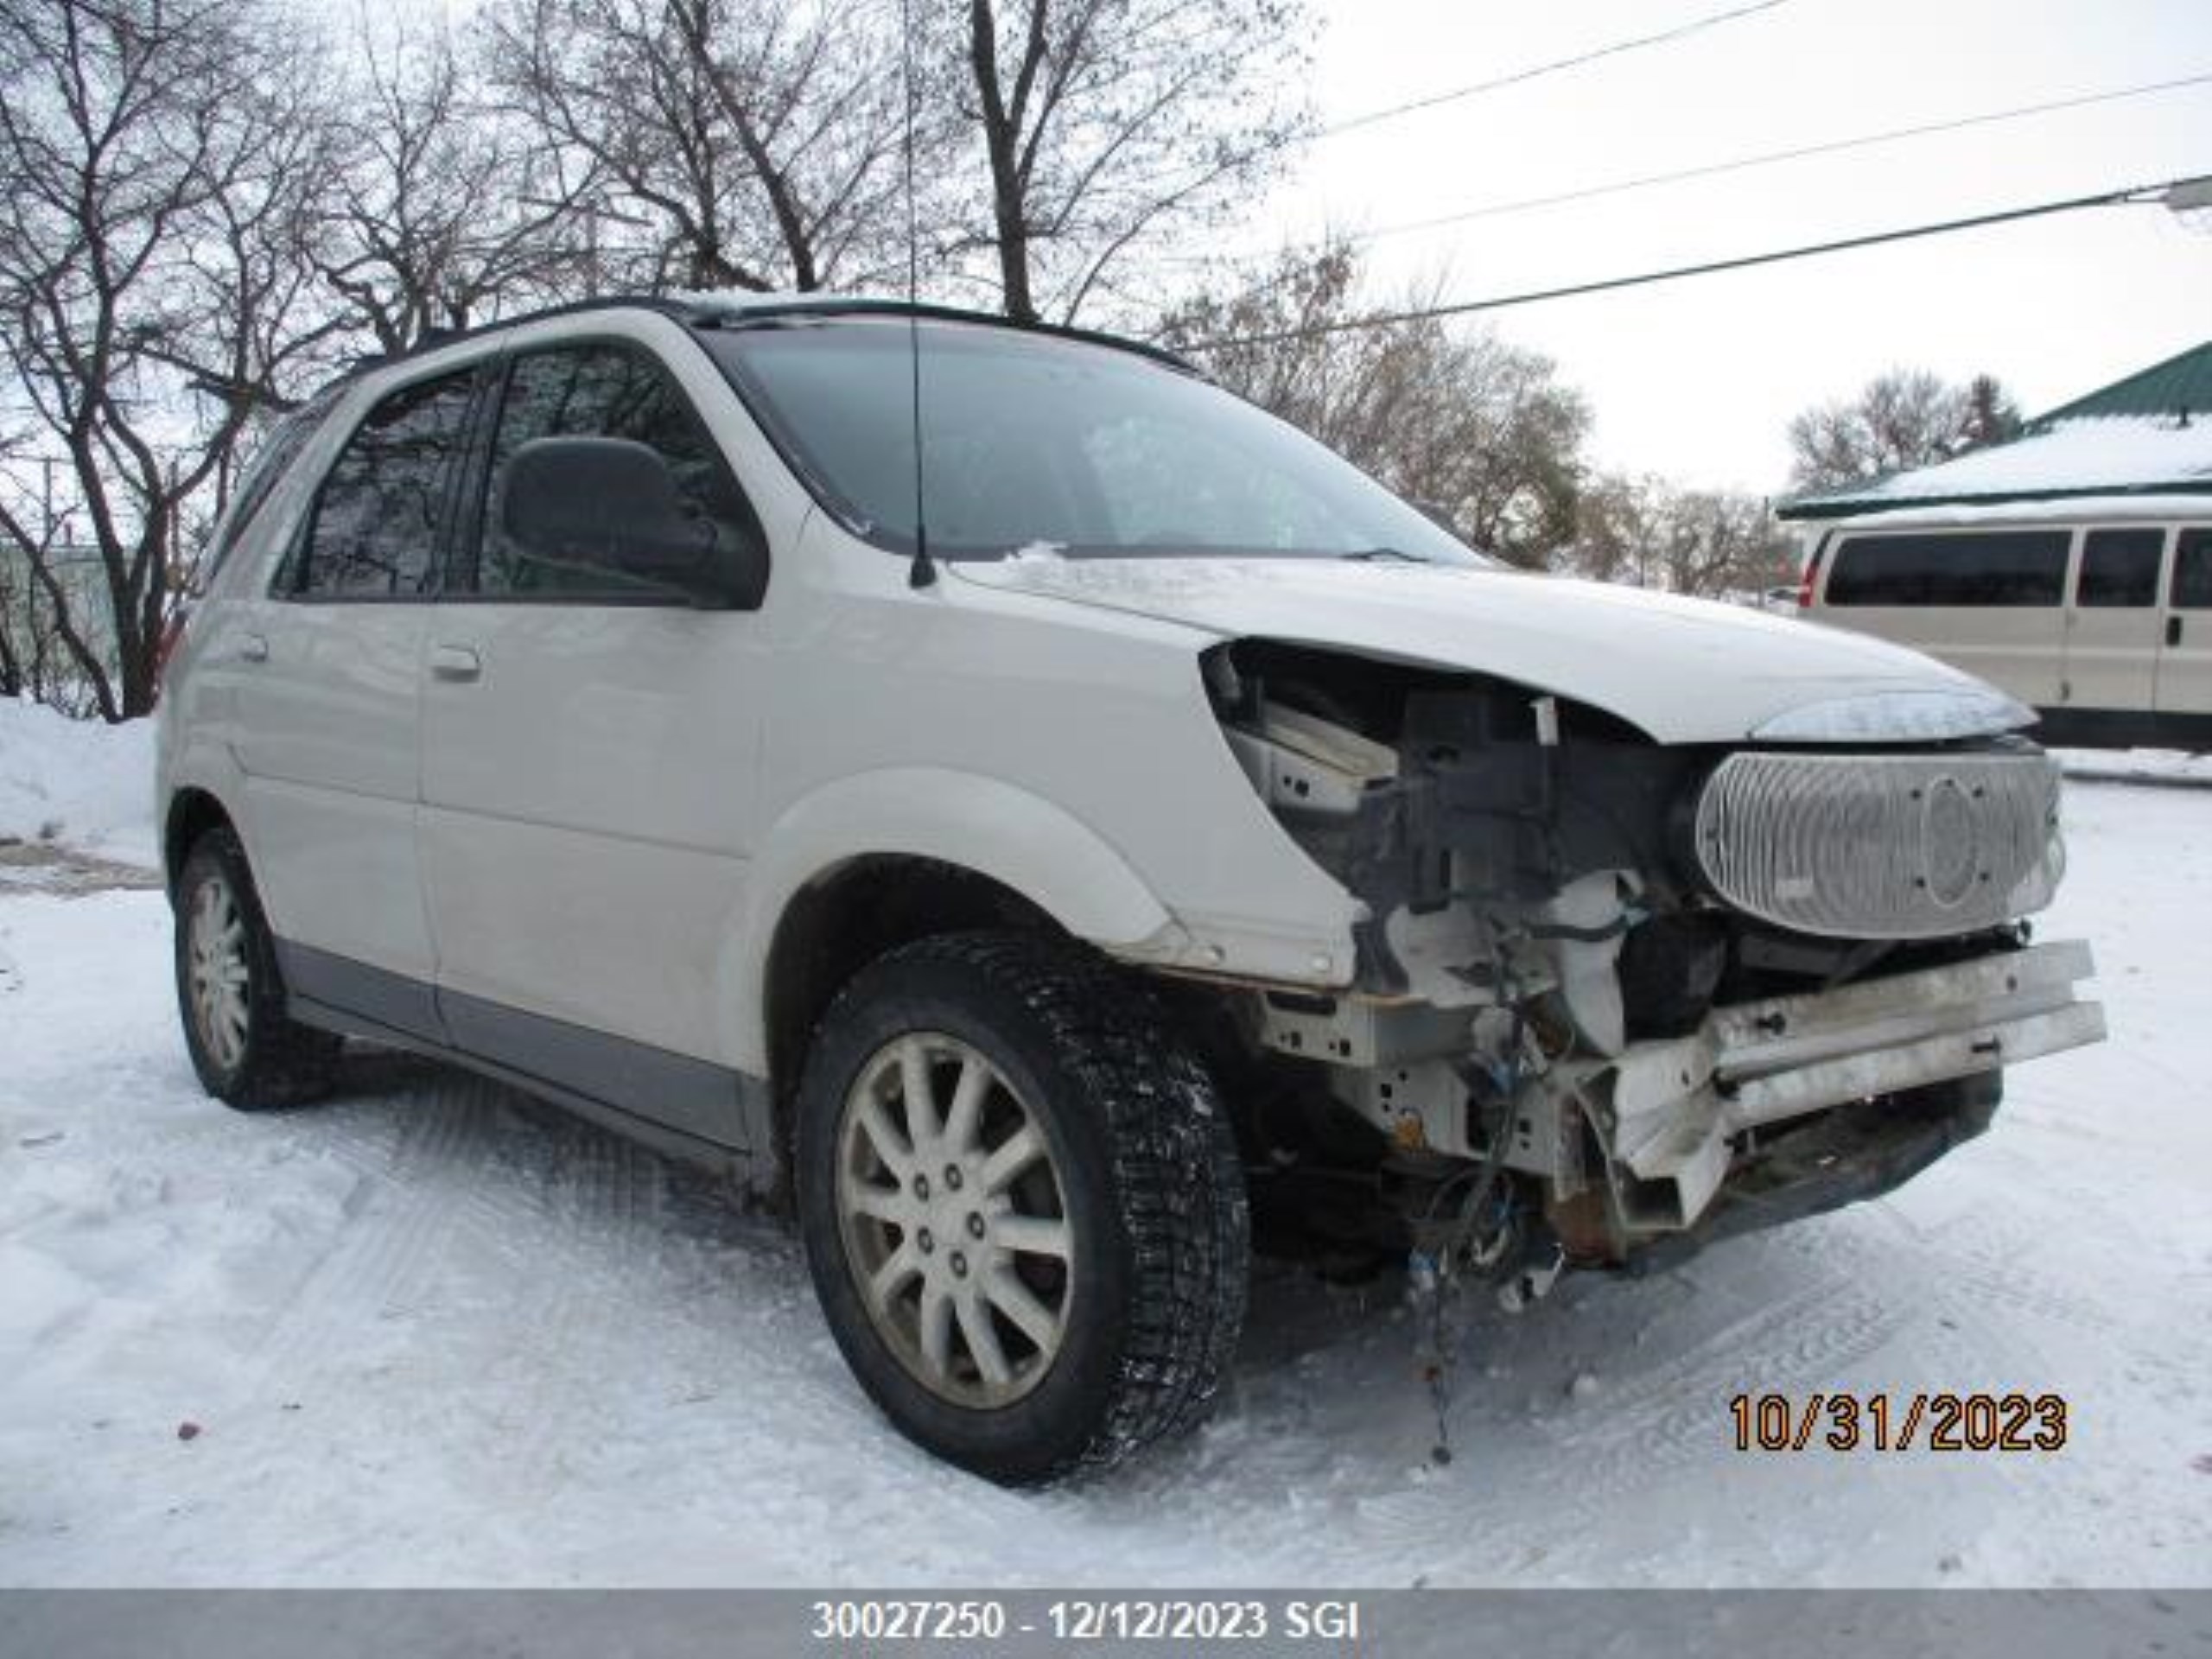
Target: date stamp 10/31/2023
<point>1847,1421</point>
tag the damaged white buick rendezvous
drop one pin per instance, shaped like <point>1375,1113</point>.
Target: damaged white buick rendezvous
<point>1054,854</point>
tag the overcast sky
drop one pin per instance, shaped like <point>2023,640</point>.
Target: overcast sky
<point>1698,379</point>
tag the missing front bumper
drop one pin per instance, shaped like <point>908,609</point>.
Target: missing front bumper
<point>1669,1116</point>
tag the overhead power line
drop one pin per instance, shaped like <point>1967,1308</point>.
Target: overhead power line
<point>1536,71</point>
<point>1774,157</point>
<point>2172,189</point>
<point>1710,169</point>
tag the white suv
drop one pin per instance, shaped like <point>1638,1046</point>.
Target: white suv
<point>1178,839</point>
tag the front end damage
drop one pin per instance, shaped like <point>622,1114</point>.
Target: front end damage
<point>1614,998</point>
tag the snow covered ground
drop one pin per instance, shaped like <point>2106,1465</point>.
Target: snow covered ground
<point>76,783</point>
<point>431,1332</point>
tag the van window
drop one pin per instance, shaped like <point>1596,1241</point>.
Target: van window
<point>2193,571</point>
<point>374,532</point>
<point>601,391</point>
<point>2120,568</point>
<point>2009,568</point>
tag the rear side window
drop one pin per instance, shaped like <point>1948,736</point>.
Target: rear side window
<point>2193,571</point>
<point>601,390</point>
<point>2120,568</point>
<point>258,482</point>
<point>1995,568</point>
<point>375,530</point>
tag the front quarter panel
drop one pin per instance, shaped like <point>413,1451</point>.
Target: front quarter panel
<point>1065,752</point>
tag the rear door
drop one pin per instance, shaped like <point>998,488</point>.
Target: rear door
<point>589,746</point>
<point>2112,626</point>
<point>330,707</point>
<point>1989,602</point>
<point>2184,679</point>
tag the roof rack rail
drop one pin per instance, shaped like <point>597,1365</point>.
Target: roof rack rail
<point>738,310</point>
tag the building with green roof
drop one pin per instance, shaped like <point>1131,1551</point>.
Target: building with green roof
<point>2148,434</point>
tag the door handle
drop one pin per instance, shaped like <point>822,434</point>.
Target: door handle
<point>457,664</point>
<point>2173,630</point>
<point>253,648</point>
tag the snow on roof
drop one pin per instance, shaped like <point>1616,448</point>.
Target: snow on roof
<point>2147,433</point>
<point>2114,455</point>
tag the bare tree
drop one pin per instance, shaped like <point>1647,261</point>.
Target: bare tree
<point>154,157</point>
<point>758,144</point>
<point>1109,124</point>
<point>1990,415</point>
<point>1650,533</point>
<point>1906,418</point>
<point>1478,430</point>
<point>442,208</point>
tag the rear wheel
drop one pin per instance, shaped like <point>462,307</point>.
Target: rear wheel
<point>248,1052</point>
<point>1021,1204</point>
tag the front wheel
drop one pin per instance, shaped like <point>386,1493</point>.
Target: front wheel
<point>1021,1205</point>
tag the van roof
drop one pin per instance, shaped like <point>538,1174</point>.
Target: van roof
<point>2068,510</point>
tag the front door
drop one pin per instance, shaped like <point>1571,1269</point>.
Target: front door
<point>2185,661</point>
<point>2112,628</point>
<point>587,763</point>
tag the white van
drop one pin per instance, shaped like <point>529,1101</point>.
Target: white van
<point>2097,613</point>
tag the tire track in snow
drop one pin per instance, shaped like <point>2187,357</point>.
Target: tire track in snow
<point>388,1247</point>
<point>575,1230</point>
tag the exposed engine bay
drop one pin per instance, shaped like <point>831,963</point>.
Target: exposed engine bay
<point>1612,998</point>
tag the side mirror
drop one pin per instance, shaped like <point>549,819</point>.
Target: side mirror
<point>612,504</point>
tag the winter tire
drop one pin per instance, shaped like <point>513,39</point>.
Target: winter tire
<point>1021,1205</point>
<point>248,1053</point>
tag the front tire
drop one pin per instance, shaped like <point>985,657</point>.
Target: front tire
<point>1021,1205</point>
<point>248,1051</point>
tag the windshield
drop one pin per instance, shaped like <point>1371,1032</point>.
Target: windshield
<point>1030,440</point>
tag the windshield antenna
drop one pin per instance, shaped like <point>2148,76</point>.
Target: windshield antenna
<point>923,572</point>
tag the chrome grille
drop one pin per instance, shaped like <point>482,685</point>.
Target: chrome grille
<point>1882,847</point>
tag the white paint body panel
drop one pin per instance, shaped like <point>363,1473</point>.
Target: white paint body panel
<point>587,805</point>
<point>1685,670</point>
<point>330,731</point>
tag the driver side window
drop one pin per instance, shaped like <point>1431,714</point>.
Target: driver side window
<point>609,390</point>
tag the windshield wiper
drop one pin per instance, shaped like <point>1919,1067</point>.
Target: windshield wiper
<point>1374,555</point>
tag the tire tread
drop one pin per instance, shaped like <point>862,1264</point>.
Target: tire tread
<point>286,1064</point>
<point>1176,1175</point>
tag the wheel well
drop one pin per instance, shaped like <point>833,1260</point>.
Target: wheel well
<point>193,813</point>
<point>847,918</point>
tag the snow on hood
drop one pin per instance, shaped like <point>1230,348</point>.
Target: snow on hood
<point>1684,671</point>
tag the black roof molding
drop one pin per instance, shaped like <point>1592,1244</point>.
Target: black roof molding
<point>737,311</point>
<point>436,339</point>
<point>1806,509</point>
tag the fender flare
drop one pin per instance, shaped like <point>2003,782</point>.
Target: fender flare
<point>1022,841</point>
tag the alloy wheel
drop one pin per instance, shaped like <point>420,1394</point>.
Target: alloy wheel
<point>221,977</point>
<point>953,1220</point>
